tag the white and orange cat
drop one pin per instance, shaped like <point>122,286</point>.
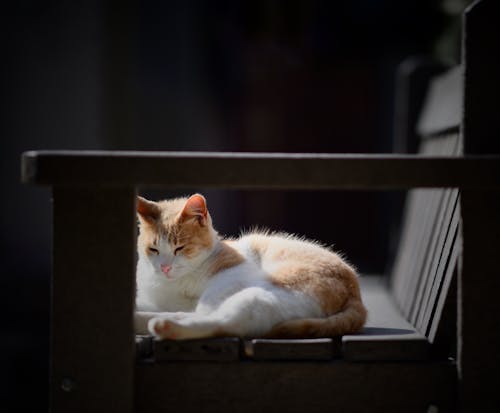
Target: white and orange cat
<point>193,284</point>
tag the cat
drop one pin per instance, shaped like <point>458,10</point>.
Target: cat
<point>193,284</point>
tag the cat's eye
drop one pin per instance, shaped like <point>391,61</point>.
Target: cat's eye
<point>178,249</point>
<point>154,250</point>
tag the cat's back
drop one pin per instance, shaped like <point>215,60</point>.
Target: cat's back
<point>306,266</point>
<point>263,245</point>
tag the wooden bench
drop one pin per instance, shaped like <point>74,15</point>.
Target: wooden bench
<point>400,362</point>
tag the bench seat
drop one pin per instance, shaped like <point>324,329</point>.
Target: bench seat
<point>380,367</point>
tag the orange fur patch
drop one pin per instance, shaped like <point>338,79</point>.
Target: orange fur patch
<point>308,268</point>
<point>193,236</point>
<point>226,257</point>
<point>348,321</point>
<point>319,273</point>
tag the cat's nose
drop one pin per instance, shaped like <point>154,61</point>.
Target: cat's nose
<point>165,268</point>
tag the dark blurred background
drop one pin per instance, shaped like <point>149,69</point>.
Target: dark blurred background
<point>259,75</point>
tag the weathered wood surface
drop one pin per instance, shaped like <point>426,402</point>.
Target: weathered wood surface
<point>387,335</point>
<point>307,349</point>
<point>335,386</point>
<point>246,170</point>
<point>92,346</point>
<point>216,349</point>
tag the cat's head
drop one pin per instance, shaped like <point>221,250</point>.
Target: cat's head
<point>175,236</point>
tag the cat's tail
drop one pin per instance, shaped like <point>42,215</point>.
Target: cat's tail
<point>348,321</point>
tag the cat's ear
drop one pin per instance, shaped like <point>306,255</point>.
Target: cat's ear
<point>147,211</point>
<point>196,207</point>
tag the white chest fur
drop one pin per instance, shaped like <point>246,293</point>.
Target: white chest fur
<point>157,293</point>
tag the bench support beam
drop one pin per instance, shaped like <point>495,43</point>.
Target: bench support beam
<point>478,302</point>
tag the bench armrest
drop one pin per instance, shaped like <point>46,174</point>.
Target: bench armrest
<point>258,170</point>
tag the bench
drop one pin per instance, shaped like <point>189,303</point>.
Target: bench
<point>409,356</point>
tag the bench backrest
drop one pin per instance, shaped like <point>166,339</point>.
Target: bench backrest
<point>425,266</point>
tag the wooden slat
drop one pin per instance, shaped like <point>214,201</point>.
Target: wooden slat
<point>413,249</point>
<point>436,323</point>
<point>422,225</point>
<point>436,276</point>
<point>436,217</point>
<point>92,300</point>
<point>438,245</point>
<point>430,203</point>
<point>214,349</point>
<point>433,251</point>
<point>412,80</point>
<point>398,280</point>
<point>245,170</point>
<point>291,387</point>
<point>442,109</point>
<point>306,349</point>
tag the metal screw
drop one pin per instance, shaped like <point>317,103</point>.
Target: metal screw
<point>68,384</point>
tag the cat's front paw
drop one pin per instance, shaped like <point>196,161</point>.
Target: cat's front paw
<point>164,329</point>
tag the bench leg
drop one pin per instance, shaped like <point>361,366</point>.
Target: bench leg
<point>92,361</point>
<point>479,303</point>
